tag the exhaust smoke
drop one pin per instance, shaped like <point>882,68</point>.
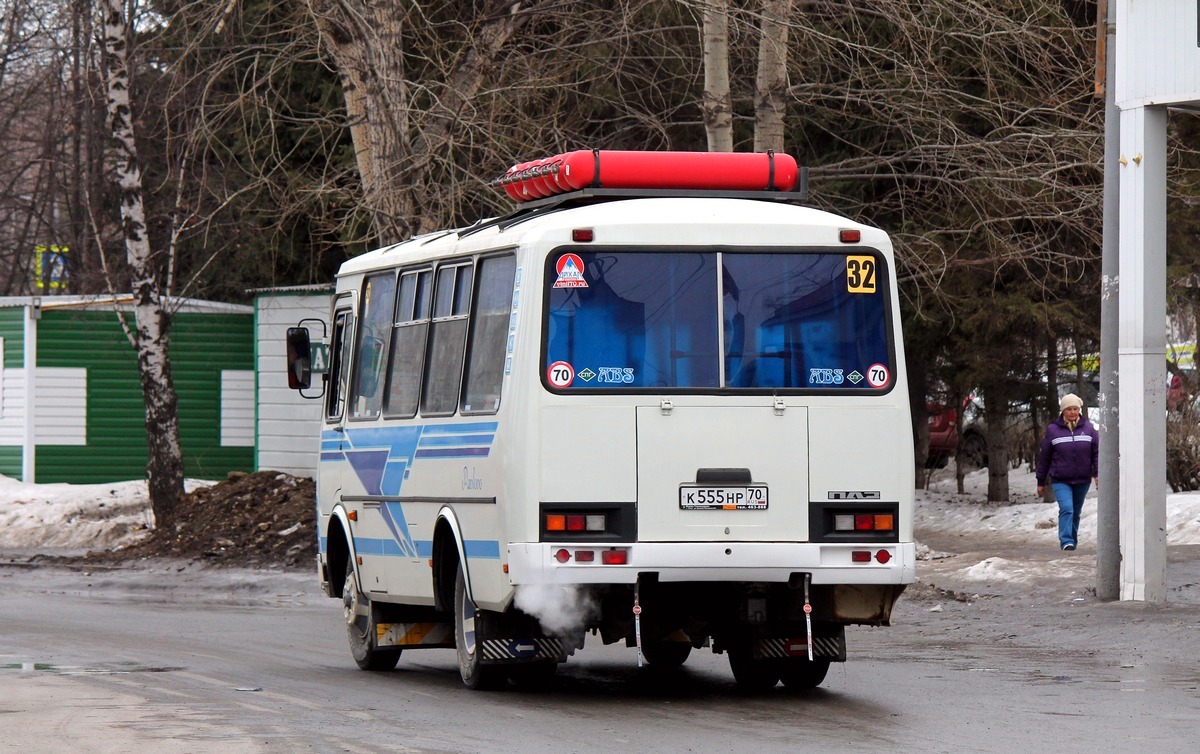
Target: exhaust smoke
<point>562,610</point>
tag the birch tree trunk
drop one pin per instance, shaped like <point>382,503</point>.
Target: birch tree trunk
<point>770,87</point>
<point>397,148</point>
<point>164,460</point>
<point>717,105</point>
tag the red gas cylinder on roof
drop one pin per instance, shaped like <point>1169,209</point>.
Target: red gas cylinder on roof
<point>614,169</point>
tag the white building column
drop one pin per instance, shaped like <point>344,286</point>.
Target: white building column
<point>33,313</point>
<point>1141,361</point>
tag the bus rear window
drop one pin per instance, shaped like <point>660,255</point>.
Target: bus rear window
<point>663,320</point>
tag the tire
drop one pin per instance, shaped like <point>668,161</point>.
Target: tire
<point>362,617</point>
<point>798,674</point>
<point>470,629</point>
<point>666,654</point>
<point>753,676</point>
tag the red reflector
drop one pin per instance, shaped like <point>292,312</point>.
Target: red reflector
<point>575,523</point>
<point>883,556</point>
<point>614,557</point>
<point>849,236</point>
<point>584,556</point>
<point>864,522</point>
<point>562,556</point>
<point>861,556</point>
<point>582,235</point>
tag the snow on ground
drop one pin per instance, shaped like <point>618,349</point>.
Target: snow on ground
<point>941,509</point>
<point>63,518</point>
<point>1020,540</point>
<point>74,517</point>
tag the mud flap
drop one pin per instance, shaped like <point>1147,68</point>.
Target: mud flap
<point>500,651</point>
<point>830,647</point>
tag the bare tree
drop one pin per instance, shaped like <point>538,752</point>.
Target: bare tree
<point>149,337</point>
<point>716,104</point>
<point>397,146</point>
<point>770,88</point>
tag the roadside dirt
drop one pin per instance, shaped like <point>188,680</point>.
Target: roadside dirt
<point>259,520</point>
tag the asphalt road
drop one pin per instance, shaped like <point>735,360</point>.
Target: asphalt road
<point>175,658</point>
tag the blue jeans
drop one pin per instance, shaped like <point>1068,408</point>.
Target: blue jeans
<point>1070,505</point>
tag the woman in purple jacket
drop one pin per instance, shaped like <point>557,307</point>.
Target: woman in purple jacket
<point>1070,452</point>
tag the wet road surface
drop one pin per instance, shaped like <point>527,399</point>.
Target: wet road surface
<point>171,657</point>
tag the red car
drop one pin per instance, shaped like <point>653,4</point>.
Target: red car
<point>943,436</point>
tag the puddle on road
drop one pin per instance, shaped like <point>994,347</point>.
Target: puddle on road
<point>103,669</point>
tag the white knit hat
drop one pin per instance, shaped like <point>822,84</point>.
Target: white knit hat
<point>1068,400</point>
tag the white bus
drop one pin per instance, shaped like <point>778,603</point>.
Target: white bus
<point>676,419</point>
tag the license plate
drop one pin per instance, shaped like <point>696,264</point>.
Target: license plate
<point>723,498</point>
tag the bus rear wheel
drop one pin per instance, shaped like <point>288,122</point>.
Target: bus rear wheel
<point>471,628</point>
<point>801,673</point>
<point>666,654</point>
<point>361,621</point>
<point>752,675</point>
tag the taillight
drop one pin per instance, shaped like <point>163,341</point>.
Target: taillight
<point>864,556</point>
<point>613,556</point>
<point>616,556</point>
<point>576,522</point>
<point>877,522</point>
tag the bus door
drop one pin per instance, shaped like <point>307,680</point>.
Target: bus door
<point>331,461</point>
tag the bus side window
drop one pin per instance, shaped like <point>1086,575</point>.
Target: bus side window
<point>447,338</point>
<point>489,335</point>
<point>374,336</point>
<point>409,335</point>
<point>339,347</point>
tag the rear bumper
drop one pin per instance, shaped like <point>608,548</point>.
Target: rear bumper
<point>535,563</point>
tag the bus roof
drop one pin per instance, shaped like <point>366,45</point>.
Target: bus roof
<point>629,220</point>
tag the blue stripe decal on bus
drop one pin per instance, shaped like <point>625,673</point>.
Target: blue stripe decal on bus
<point>456,440</point>
<point>382,457</point>
<point>445,429</point>
<point>482,548</point>
<point>477,549</point>
<point>452,452</point>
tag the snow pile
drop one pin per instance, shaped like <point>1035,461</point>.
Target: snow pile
<point>74,517</point>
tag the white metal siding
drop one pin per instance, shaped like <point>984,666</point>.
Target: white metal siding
<point>12,407</point>
<point>1158,52</point>
<point>237,408</point>
<point>61,406</point>
<point>288,427</point>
